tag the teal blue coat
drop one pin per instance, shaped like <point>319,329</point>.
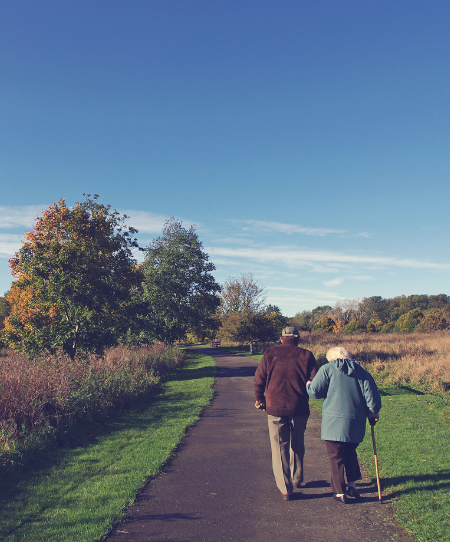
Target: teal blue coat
<point>349,394</point>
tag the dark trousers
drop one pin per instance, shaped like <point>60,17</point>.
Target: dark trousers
<point>342,457</point>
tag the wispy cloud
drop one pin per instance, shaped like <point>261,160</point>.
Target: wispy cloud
<point>339,280</point>
<point>334,282</point>
<point>9,244</point>
<point>146,222</point>
<point>293,256</point>
<point>152,223</point>
<point>261,225</point>
<point>294,298</point>
<point>319,293</point>
<point>19,217</point>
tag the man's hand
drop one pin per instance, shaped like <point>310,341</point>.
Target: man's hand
<point>261,405</point>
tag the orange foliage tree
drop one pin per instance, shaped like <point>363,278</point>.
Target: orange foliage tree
<point>75,275</point>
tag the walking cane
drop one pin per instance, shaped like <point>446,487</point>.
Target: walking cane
<point>376,461</point>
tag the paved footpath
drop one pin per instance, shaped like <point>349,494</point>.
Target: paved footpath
<point>220,486</point>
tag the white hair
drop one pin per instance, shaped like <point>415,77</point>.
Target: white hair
<point>338,352</point>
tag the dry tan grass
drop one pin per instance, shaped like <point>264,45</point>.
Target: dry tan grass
<point>397,358</point>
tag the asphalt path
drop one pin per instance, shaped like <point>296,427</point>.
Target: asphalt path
<point>219,486</point>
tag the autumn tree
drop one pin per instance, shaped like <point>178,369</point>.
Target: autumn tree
<point>74,277</point>
<point>179,293</point>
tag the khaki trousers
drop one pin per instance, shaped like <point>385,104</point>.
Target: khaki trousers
<point>287,441</point>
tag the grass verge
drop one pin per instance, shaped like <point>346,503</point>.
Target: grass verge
<point>80,491</point>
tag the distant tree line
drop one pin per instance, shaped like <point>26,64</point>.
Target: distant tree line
<point>378,315</point>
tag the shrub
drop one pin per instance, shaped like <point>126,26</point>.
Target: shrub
<point>375,323</point>
<point>54,389</point>
<point>339,326</point>
<point>408,322</point>
<point>434,320</point>
<point>324,324</point>
<point>352,327</point>
<point>388,327</point>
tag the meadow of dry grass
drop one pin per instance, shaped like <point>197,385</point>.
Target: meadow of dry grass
<point>40,393</point>
<point>395,358</point>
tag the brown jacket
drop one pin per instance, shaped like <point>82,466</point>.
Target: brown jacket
<point>281,377</point>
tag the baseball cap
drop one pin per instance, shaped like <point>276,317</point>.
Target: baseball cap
<point>290,331</point>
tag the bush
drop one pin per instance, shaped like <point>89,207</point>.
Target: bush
<point>324,324</point>
<point>52,390</point>
<point>434,320</point>
<point>352,327</point>
<point>388,327</point>
<point>408,322</point>
<point>375,324</point>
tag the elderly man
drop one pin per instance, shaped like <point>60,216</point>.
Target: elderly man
<point>280,389</point>
<point>350,395</point>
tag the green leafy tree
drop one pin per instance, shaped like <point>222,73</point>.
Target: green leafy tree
<point>302,321</point>
<point>439,301</point>
<point>434,320</point>
<point>179,293</point>
<point>324,324</point>
<point>408,322</point>
<point>5,309</point>
<point>376,304</point>
<point>375,323</point>
<point>352,327</point>
<point>276,319</point>
<point>74,278</point>
<point>388,327</point>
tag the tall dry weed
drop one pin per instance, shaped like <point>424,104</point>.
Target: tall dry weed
<point>397,358</point>
<point>41,392</point>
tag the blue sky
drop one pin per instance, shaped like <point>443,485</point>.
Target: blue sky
<point>308,141</point>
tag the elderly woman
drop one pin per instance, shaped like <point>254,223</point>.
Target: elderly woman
<point>350,395</point>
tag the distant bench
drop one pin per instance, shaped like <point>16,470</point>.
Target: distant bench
<point>215,343</point>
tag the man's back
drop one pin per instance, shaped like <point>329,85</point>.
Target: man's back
<point>282,376</point>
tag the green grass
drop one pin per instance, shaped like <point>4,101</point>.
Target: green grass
<point>241,351</point>
<point>412,440</point>
<point>80,491</point>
